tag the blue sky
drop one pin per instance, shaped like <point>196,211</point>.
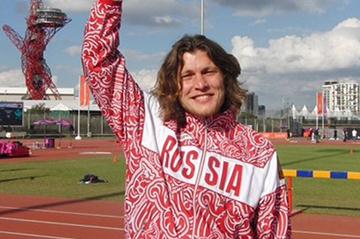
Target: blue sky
<point>287,48</point>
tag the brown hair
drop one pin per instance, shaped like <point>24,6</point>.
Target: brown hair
<point>167,88</point>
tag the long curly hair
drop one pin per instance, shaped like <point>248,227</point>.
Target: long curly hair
<point>168,87</point>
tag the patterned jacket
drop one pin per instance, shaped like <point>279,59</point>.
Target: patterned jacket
<point>215,178</point>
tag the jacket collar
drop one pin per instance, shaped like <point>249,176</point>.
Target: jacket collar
<point>213,121</point>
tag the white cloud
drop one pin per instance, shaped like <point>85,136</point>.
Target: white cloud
<point>145,78</point>
<point>70,5</point>
<point>258,8</point>
<point>137,60</point>
<point>296,67</point>
<point>172,12</point>
<point>134,55</point>
<point>166,20</point>
<point>337,49</point>
<point>73,50</point>
<point>259,21</point>
<point>67,70</point>
<point>348,24</point>
<point>12,78</point>
<point>15,78</point>
<point>159,13</point>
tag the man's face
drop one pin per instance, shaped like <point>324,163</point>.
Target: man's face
<point>202,85</point>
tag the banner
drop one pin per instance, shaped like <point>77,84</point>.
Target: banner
<point>84,92</point>
<point>324,105</point>
<point>272,135</point>
<point>319,102</point>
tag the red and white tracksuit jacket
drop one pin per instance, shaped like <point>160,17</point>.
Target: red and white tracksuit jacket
<point>213,179</point>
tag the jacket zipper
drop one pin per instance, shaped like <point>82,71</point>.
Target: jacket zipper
<point>197,183</point>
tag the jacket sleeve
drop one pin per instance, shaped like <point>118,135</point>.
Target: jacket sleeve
<point>113,88</point>
<point>273,209</point>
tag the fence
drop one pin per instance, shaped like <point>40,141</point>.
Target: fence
<point>319,174</point>
<point>265,124</point>
<point>92,123</point>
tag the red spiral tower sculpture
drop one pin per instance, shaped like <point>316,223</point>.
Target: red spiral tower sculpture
<point>42,24</point>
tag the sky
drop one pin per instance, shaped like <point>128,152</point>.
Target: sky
<point>286,48</point>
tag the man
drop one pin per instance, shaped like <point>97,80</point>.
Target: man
<point>192,170</point>
<point>354,134</point>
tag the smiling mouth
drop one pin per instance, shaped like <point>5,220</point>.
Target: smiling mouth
<point>205,96</point>
<point>202,98</point>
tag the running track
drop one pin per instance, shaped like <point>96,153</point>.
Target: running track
<point>28,217</point>
<point>25,217</point>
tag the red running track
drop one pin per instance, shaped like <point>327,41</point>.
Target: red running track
<point>25,217</point>
<point>28,217</point>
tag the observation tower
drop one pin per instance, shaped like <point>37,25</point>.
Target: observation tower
<point>42,24</point>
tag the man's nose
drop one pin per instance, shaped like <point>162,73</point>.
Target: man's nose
<point>201,82</point>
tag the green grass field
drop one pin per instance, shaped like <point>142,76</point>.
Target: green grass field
<point>60,178</point>
<point>327,196</point>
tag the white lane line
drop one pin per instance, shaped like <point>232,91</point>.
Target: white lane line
<point>62,212</point>
<point>95,153</point>
<point>61,224</point>
<point>33,235</point>
<point>327,234</point>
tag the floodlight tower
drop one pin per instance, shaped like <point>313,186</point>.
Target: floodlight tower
<point>42,24</point>
<point>202,25</point>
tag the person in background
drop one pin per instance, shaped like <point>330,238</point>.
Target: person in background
<point>317,135</point>
<point>354,134</point>
<point>288,133</point>
<point>193,171</point>
<point>345,134</point>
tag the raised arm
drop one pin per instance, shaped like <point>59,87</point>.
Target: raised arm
<point>114,90</point>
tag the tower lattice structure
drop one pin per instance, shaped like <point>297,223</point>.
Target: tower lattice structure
<point>42,25</point>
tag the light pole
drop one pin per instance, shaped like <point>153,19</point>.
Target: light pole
<point>202,17</point>
<point>78,136</point>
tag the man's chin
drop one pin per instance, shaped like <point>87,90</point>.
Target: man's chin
<point>205,114</point>
<point>201,111</point>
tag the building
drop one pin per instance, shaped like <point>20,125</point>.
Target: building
<point>342,96</point>
<point>262,111</point>
<point>251,103</point>
<point>18,93</point>
<point>68,102</point>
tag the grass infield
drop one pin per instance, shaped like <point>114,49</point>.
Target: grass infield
<point>326,196</point>
<point>60,178</point>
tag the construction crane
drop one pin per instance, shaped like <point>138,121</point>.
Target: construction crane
<point>42,25</point>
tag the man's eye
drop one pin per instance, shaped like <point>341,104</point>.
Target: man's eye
<point>210,72</point>
<point>186,77</point>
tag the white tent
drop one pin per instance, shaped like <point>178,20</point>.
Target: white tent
<point>72,105</point>
<point>294,112</point>
<point>304,112</point>
<point>60,107</point>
